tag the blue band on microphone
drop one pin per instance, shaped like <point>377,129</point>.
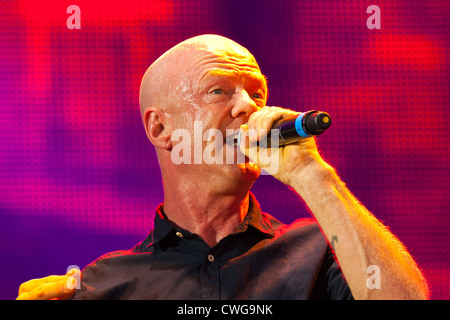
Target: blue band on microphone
<point>299,126</point>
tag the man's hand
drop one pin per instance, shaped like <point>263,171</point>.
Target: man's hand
<point>363,240</point>
<point>51,287</point>
<point>285,162</point>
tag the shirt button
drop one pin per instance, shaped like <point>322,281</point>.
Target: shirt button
<point>210,257</point>
<point>179,234</point>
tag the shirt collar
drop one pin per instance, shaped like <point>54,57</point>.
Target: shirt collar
<point>254,219</point>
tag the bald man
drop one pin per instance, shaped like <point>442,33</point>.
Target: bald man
<point>210,238</point>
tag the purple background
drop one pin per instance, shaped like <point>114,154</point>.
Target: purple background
<point>79,178</point>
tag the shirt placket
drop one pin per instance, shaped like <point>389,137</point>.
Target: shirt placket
<point>209,278</point>
<point>210,275</point>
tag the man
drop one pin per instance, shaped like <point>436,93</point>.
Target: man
<point>210,239</point>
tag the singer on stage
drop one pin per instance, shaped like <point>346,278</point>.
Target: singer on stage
<point>211,239</point>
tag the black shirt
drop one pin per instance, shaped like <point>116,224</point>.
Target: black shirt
<point>262,259</point>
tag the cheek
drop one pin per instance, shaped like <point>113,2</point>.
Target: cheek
<point>199,116</point>
<point>213,116</point>
<point>182,119</point>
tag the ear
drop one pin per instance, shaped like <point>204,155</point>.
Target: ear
<point>156,128</point>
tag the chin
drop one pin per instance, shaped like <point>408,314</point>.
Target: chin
<point>247,172</point>
<point>233,178</point>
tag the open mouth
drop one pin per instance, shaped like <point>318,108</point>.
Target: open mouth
<point>232,139</point>
<point>232,146</point>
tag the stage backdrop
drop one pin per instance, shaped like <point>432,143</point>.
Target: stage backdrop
<point>79,177</point>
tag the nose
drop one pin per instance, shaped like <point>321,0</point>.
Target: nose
<point>243,105</point>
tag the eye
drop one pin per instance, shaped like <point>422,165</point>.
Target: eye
<point>217,91</point>
<point>257,96</point>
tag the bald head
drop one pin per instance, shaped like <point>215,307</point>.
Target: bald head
<point>202,85</point>
<point>169,76</point>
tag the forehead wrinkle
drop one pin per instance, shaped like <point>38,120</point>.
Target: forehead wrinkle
<point>180,69</point>
<point>230,65</point>
<point>239,63</point>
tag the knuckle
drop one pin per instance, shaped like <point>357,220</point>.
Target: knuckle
<point>252,116</point>
<point>23,288</point>
<point>27,286</point>
<point>39,291</point>
<point>267,122</point>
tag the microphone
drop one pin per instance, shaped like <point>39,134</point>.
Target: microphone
<point>299,126</point>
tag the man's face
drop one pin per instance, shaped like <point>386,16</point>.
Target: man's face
<point>220,90</point>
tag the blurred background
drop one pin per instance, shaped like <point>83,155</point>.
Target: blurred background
<point>79,178</point>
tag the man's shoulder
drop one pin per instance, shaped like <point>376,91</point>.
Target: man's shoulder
<point>303,230</point>
<point>301,224</point>
<point>108,270</point>
<point>114,256</point>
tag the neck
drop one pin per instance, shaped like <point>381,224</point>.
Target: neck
<point>210,215</point>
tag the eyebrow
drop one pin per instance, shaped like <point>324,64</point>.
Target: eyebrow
<point>229,73</point>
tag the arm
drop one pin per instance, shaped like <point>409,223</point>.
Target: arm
<point>358,238</point>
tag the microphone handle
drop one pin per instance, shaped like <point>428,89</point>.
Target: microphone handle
<point>296,127</point>
<point>304,125</point>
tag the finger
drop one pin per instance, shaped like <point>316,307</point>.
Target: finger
<point>254,119</point>
<point>34,283</point>
<point>244,140</point>
<point>256,113</point>
<point>76,273</point>
<point>264,119</point>
<point>47,291</point>
<point>247,143</point>
<point>266,123</point>
<point>256,122</point>
<point>74,280</point>
<point>72,271</point>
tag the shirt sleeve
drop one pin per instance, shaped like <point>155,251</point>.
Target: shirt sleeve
<point>331,283</point>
